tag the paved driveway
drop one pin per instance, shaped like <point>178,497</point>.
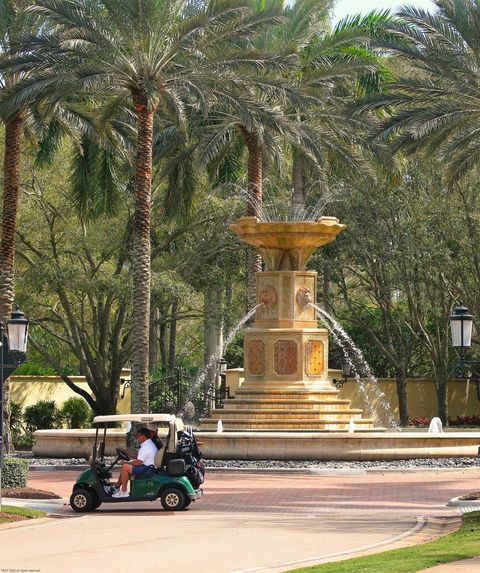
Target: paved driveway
<point>245,523</point>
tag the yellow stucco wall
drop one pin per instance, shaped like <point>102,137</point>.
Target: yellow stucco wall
<point>421,393</point>
<point>27,390</point>
<point>422,398</point>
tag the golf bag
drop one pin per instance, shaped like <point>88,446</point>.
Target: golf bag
<point>187,448</point>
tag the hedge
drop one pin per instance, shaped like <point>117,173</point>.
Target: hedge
<point>15,472</point>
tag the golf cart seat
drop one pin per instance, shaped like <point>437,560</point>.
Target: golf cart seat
<point>159,458</point>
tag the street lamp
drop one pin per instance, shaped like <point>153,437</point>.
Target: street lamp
<point>223,365</point>
<point>461,326</point>
<point>346,374</point>
<point>13,350</point>
<point>461,323</point>
<point>224,390</point>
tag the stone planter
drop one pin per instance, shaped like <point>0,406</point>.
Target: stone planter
<point>74,443</point>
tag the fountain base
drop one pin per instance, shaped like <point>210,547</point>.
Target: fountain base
<point>368,446</point>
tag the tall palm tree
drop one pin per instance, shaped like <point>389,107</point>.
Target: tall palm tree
<point>334,67</point>
<point>150,54</point>
<point>256,121</point>
<point>14,22</point>
<point>433,103</point>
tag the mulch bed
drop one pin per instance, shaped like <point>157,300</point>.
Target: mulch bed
<point>475,496</point>
<point>12,516</point>
<point>29,493</point>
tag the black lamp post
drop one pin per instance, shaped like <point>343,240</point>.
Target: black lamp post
<point>224,390</point>
<point>461,325</point>
<point>346,374</point>
<point>13,352</point>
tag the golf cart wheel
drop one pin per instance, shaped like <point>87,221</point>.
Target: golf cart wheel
<point>83,500</point>
<point>188,501</point>
<point>173,499</point>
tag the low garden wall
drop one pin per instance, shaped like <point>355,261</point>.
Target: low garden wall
<point>422,399</point>
<point>74,443</point>
<point>28,390</point>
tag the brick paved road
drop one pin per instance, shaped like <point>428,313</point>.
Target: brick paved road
<point>261,523</point>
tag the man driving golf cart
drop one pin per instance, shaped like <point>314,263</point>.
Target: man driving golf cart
<point>141,465</point>
<point>175,477</point>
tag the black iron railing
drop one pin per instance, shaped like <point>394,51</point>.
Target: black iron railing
<point>170,393</point>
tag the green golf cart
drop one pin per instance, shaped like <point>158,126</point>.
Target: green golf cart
<point>175,480</point>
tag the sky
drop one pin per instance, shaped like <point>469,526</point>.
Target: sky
<point>345,7</point>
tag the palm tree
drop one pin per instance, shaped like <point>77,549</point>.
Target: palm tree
<point>433,103</point>
<point>334,67</point>
<point>153,54</point>
<point>256,121</point>
<point>14,22</point>
<point>306,107</point>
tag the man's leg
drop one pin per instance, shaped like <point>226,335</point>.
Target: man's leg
<point>124,475</point>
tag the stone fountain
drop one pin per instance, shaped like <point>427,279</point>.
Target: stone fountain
<point>287,386</point>
<point>287,407</point>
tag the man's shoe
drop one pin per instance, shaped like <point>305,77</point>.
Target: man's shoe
<point>121,493</point>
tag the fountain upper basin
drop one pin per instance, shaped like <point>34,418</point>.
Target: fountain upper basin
<point>287,245</point>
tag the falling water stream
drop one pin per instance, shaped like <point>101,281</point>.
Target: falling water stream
<point>370,393</point>
<point>271,212</point>
<point>216,356</point>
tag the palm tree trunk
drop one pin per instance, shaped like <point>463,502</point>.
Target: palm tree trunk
<point>141,254</point>
<point>297,210</point>
<point>11,170</point>
<point>254,208</point>
<point>162,341</point>
<point>153,344</point>
<point>172,346</point>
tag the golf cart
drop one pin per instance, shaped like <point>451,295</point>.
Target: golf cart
<point>176,478</point>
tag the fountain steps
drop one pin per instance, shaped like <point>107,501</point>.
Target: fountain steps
<point>273,424</point>
<point>286,410</point>
<point>280,394</point>
<point>262,413</point>
<point>288,404</point>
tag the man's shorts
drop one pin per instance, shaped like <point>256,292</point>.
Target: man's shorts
<point>144,471</point>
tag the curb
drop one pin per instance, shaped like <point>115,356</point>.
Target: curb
<point>464,505</point>
<point>420,524</point>
<point>276,471</point>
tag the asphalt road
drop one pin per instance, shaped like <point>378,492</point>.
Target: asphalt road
<point>245,523</point>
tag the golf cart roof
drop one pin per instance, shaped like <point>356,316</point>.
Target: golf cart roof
<point>146,418</point>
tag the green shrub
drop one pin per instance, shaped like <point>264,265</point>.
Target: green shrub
<point>15,472</point>
<point>76,412</point>
<point>35,369</point>
<point>41,416</point>
<point>23,441</point>
<point>16,418</point>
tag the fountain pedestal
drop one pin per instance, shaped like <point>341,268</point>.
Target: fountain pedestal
<point>286,383</point>
<point>284,348</point>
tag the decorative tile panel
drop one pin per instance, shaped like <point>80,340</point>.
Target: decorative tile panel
<point>256,357</point>
<point>314,355</point>
<point>285,361</point>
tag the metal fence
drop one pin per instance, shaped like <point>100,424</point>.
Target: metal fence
<point>171,392</point>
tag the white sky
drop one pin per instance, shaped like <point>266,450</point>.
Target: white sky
<point>345,7</point>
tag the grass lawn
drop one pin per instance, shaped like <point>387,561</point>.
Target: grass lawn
<point>462,544</point>
<point>18,513</point>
